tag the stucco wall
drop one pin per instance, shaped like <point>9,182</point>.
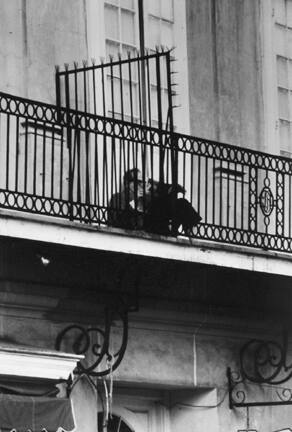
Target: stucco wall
<point>12,46</point>
<point>35,37</point>
<point>225,71</point>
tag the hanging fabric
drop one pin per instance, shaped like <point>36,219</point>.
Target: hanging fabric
<point>23,413</point>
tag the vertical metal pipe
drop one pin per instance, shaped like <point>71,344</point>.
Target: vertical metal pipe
<point>143,66</point>
<point>58,92</point>
<point>69,145</point>
<point>159,112</point>
<point>87,169</point>
<point>141,27</point>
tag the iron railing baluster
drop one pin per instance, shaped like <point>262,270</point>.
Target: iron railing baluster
<point>61,162</point>
<point>289,206</point>
<point>7,151</point>
<point>206,186</point>
<point>52,161</point>
<point>214,191</point>
<point>199,185</point>
<point>235,197</point>
<point>242,197</point>
<point>35,153</point>
<point>44,163</point>
<point>220,193</point>
<point>17,153</point>
<point>228,194</point>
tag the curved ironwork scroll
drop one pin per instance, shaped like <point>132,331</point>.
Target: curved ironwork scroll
<point>239,393</point>
<point>95,343</point>
<point>265,361</point>
<point>262,363</point>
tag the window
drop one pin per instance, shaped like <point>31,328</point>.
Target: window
<point>126,33</point>
<point>121,27</point>
<point>160,18</point>
<point>113,26</point>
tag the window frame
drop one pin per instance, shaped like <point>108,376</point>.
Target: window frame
<point>97,49</point>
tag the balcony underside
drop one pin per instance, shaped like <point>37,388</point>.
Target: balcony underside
<point>70,271</point>
<point>137,243</point>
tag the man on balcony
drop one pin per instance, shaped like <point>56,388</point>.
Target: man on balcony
<point>126,207</point>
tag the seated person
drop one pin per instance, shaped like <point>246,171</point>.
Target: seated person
<point>153,207</point>
<point>126,207</point>
<point>165,213</point>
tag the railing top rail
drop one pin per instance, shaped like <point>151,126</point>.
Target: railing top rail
<point>233,153</point>
<point>111,63</point>
<point>48,113</point>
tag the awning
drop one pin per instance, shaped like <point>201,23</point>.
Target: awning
<point>23,413</point>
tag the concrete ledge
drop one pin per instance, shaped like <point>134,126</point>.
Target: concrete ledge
<point>46,229</point>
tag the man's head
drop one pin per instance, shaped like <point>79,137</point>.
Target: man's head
<point>133,182</point>
<point>132,175</point>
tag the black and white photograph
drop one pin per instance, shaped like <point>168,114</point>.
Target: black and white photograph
<point>145,215</point>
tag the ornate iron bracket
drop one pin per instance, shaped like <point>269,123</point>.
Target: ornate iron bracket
<point>105,347</point>
<point>262,363</point>
<point>96,343</point>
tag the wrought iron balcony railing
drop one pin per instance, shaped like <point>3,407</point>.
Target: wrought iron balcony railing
<point>68,164</point>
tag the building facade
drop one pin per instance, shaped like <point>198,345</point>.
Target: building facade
<point>191,92</point>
